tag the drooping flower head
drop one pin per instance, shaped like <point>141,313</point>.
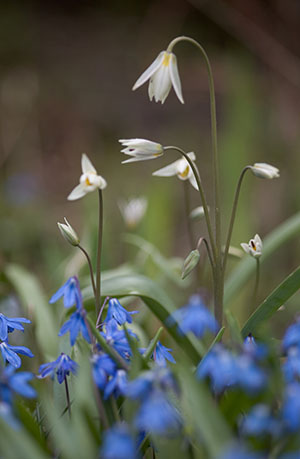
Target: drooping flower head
<point>116,311</point>
<point>133,210</point>
<point>254,246</point>
<point>194,318</point>
<point>163,74</point>
<point>89,180</point>
<point>265,171</point>
<point>8,325</point>
<point>10,353</point>
<point>71,293</point>
<point>61,367</point>
<point>161,354</point>
<point>291,407</point>
<point>116,385</point>
<point>75,325</point>
<point>140,149</point>
<point>260,422</point>
<point>103,367</point>
<point>117,338</point>
<point>12,382</point>
<point>292,336</point>
<point>181,168</point>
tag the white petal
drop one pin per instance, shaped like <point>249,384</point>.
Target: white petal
<point>162,84</point>
<point>78,192</point>
<point>86,165</point>
<point>139,158</point>
<point>175,78</point>
<point>150,90</point>
<point>193,181</point>
<point>245,247</point>
<point>167,171</point>
<point>149,71</point>
<point>192,156</point>
<point>258,240</point>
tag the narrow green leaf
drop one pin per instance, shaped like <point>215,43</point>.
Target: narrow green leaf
<point>156,300</point>
<point>217,338</point>
<point>149,351</point>
<point>246,268</point>
<point>271,304</point>
<point>33,298</point>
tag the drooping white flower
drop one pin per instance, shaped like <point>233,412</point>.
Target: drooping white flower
<point>181,168</point>
<point>254,246</point>
<point>163,74</point>
<point>133,210</point>
<point>89,180</point>
<point>68,233</point>
<point>141,149</point>
<point>264,170</point>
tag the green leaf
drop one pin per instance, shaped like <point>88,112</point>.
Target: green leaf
<point>33,298</point>
<point>246,268</point>
<point>150,349</point>
<point>156,300</point>
<point>202,414</point>
<point>271,304</point>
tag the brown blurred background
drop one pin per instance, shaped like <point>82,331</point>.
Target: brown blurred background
<point>66,73</point>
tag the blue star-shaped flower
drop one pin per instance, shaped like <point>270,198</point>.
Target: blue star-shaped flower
<point>117,338</point>
<point>61,367</point>
<point>161,354</point>
<point>116,385</point>
<point>116,311</point>
<point>10,353</point>
<point>103,367</point>
<point>8,325</point>
<point>71,293</point>
<point>260,422</point>
<point>194,318</point>
<point>291,407</point>
<point>74,325</point>
<point>10,382</point>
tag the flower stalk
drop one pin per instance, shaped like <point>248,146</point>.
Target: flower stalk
<point>90,268</point>
<point>99,250</point>
<point>68,396</point>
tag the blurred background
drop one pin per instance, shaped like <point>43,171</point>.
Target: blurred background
<point>66,73</point>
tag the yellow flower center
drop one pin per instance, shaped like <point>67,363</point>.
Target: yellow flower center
<point>166,60</point>
<point>184,174</point>
<point>253,245</point>
<point>87,182</point>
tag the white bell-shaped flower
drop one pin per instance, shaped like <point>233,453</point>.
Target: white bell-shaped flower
<point>181,168</point>
<point>162,75</point>
<point>254,246</point>
<point>265,171</point>
<point>141,149</point>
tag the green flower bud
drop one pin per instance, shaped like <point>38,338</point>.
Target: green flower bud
<point>68,233</point>
<point>190,262</point>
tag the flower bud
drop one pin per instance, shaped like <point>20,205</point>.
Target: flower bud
<point>68,233</point>
<point>197,213</point>
<point>265,171</point>
<point>190,262</point>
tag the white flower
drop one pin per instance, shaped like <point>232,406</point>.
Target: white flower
<point>163,73</point>
<point>68,233</point>
<point>133,210</point>
<point>263,170</point>
<point>254,247</point>
<point>181,168</point>
<point>89,180</point>
<point>141,149</point>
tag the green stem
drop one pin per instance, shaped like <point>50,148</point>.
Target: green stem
<point>68,396</point>
<point>202,195</point>
<point>232,218</point>
<point>200,240</point>
<point>257,274</point>
<point>90,268</point>
<point>98,268</point>
<point>187,209</point>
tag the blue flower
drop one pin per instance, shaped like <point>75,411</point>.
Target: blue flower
<point>61,367</point>
<point>260,422</point>
<point>161,354</point>
<point>10,381</point>
<point>257,351</point>
<point>225,370</point>
<point>140,388</point>
<point>8,325</point>
<point>292,336</point>
<point>239,451</point>
<point>194,318</point>
<point>116,385</point>
<point>291,407</point>
<point>71,293</point>
<point>117,338</point>
<point>103,367</point>
<point>157,415</point>
<point>9,353</point>
<point>116,311</point>
<point>118,444</point>
<point>74,325</point>
<point>291,367</point>
<point>219,365</point>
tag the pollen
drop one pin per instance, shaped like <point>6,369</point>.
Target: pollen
<point>253,244</point>
<point>166,60</point>
<point>87,182</point>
